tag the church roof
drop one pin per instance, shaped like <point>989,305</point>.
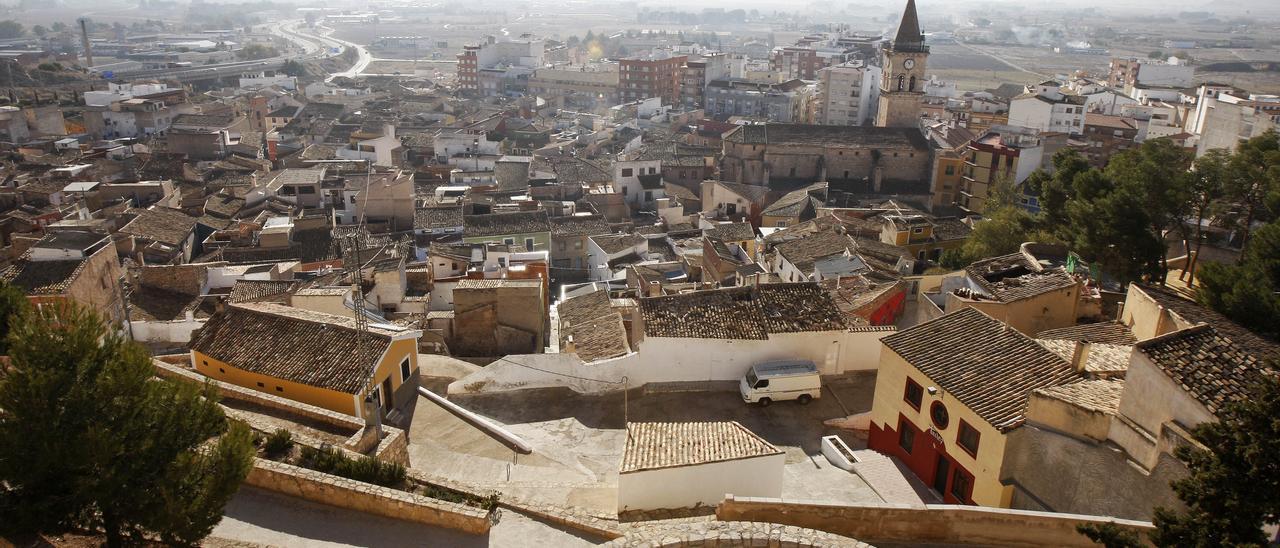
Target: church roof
<point>909,37</point>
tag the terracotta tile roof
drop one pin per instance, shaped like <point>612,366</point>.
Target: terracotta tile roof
<point>1102,332</point>
<point>1102,359</point>
<point>1101,395</point>
<point>1013,277</point>
<point>160,224</point>
<point>803,252</point>
<point>311,348</point>
<point>579,226</point>
<point>614,243</point>
<point>245,291</point>
<point>1208,365</point>
<point>437,217</point>
<point>741,312</point>
<point>752,193</point>
<point>845,136</point>
<point>43,277</point>
<point>468,283</point>
<point>731,232</point>
<point>988,367</point>
<point>1193,313</point>
<point>156,304</point>
<point>599,338</point>
<point>221,205</point>
<point>502,224</point>
<point>584,307</point>
<point>657,445</point>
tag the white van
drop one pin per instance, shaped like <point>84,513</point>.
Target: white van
<point>766,383</point>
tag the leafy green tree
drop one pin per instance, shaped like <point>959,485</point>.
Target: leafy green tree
<point>1253,178</point>
<point>1157,172</point>
<point>13,306</point>
<point>59,26</point>
<point>1248,292</point>
<point>1231,491</point>
<point>11,29</point>
<point>1156,54</point>
<point>40,30</point>
<point>92,440</point>
<point>1111,535</point>
<point>1006,227</point>
<point>1205,192</point>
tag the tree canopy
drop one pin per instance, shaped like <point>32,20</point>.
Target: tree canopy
<point>93,440</point>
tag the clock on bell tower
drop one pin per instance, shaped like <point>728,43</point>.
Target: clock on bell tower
<point>902,86</point>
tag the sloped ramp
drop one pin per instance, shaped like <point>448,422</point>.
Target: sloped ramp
<point>892,480</point>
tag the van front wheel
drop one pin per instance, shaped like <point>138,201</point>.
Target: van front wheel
<point>804,399</point>
<point>764,402</point>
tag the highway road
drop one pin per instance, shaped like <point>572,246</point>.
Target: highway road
<point>313,47</point>
<point>305,37</point>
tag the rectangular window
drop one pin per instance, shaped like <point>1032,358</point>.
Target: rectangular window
<point>967,438</point>
<point>961,485</point>
<point>626,172</point>
<point>528,244</point>
<point>914,394</point>
<point>906,435</point>
<point>404,369</point>
<point>508,241</point>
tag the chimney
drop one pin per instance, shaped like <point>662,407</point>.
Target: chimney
<point>84,37</point>
<point>655,289</point>
<point>1080,356</point>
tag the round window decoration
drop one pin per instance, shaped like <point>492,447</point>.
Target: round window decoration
<point>938,413</point>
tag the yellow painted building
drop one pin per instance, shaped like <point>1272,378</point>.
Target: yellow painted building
<point>309,357</point>
<point>947,415</point>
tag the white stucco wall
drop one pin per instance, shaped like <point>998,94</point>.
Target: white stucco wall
<point>686,486</point>
<point>176,332</point>
<point>662,359</point>
<point>1150,400</point>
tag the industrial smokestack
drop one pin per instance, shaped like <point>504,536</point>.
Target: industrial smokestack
<point>84,38</point>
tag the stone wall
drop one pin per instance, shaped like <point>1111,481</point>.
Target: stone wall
<point>188,279</point>
<point>363,497</point>
<point>943,524</point>
<point>720,534</point>
<point>1061,473</point>
<point>392,448</point>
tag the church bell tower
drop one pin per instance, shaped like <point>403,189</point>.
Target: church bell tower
<point>902,86</point>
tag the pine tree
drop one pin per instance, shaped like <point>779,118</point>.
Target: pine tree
<point>89,438</point>
<point>1232,490</point>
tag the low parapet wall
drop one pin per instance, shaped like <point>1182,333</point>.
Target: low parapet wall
<point>934,523</point>
<point>364,497</point>
<point>393,447</point>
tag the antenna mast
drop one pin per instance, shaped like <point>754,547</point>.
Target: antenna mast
<point>356,242</point>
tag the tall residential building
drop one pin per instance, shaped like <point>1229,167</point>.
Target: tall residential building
<point>654,75</point>
<point>1224,116</point>
<point>784,102</point>
<point>495,66</point>
<point>700,71</point>
<point>1004,155</point>
<point>848,94</point>
<point>902,87</point>
<point>1044,107</point>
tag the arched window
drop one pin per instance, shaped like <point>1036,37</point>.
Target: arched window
<point>901,81</point>
<point>913,84</point>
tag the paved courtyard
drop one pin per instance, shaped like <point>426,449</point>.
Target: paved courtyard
<point>578,440</point>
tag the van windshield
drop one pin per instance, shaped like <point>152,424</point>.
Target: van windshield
<point>751,377</point>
